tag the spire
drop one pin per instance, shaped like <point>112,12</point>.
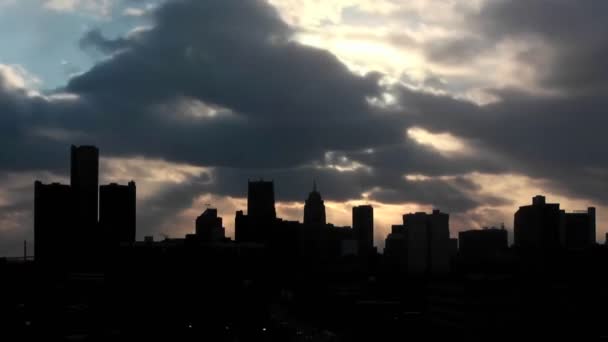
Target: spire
<point>314,185</point>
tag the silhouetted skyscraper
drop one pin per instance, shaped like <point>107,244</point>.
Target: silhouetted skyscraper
<point>545,226</point>
<point>395,247</point>
<point>439,240</point>
<point>363,229</point>
<point>242,231</point>
<point>578,229</point>
<point>261,216</point>
<point>313,236</point>
<point>417,237</point>
<point>84,179</point>
<point>117,212</point>
<point>209,226</point>
<point>260,201</point>
<point>314,209</point>
<point>427,242</point>
<point>538,225</point>
<point>53,223</point>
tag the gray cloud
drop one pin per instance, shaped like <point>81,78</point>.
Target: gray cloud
<point>94,39</point>
<point>576,32</point>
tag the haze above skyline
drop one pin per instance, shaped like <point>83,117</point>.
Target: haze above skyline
<point>471,106</point>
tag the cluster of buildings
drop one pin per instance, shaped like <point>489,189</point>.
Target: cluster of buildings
<point>85,220</point>
<point>422,244</point>
<point>313,240</point>
<point>76,223</point>
<point>81,222</point>
<point>277,273</point>
<point>545,226</point>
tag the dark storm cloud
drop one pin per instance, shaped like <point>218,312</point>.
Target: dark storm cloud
<point>95,39</point>
<point>167,204</point>
<point>235,54</point>
<point>293,100</point>
<point>558,138</point>
<point>576,31</point>
<point>450,195</point>
<point>573,35</point>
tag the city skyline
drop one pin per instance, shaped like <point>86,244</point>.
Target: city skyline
<point>280,279</point>
<point>303,170</point>
<point>296,210</point>
<point>64,217</point>
<point>466,106</point>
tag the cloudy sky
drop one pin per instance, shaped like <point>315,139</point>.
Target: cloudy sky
<point>469,106</point>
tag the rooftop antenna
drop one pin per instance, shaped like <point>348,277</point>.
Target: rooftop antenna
<point>314,185</point>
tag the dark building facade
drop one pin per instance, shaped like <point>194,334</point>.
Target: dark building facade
<point>84,179</point>
<point>242,233</point>
<point>439,241</point>
<point>261,218</point>
<point>579,229</point>
<point>538,226</point>
<point>395,247</point>
<point>117,213</point>
<point>341,241</point>
<point>53,223</point>
<point>422,244</point>
<point>209,227</point>
<point>483,243</point>
<point>260,201</point>
<point>363,229</point>
<point>545,226</point>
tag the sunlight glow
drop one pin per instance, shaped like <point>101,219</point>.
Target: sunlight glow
<point>443,142</point>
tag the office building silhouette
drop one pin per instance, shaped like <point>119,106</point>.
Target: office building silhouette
<point>544,226</point>
<point>84,180</point>
<point>313,235</point>
<point>416,229</point>
<point>117,213</point>
<point>341,241</point>
<point>314,209</point>
<point>422,244</point>
<point>537,226</point>
<point>483,243</point>
<point>395,247</point>
<point>439,241</point>
<point>209,226</point>
<point>261,216</point>
<point>260,201</point>
<point>578,229</point>
<point>363,229</point>
<point>54,239</point>
<point>242,232</point>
